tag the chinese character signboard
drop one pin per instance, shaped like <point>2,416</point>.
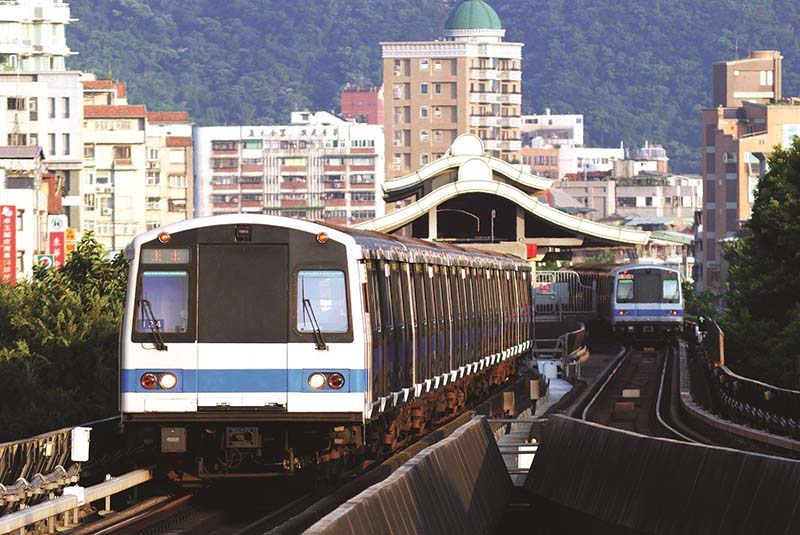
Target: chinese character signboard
<point>8,244</point>
<point>57,248</point>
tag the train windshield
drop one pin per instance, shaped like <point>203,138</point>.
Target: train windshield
<point>163,302</point>
<point>321,295</point>
<point>648,286</point>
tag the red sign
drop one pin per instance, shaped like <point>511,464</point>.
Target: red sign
<point>57,248</point>
<point>531,249</point>
<point>8,244</point>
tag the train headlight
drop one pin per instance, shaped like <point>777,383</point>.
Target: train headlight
<point>164,237</point>
<point>322,238</point>
<point>149,381</point>
<point>167,381</point>
<point>316,381</point>
<point>673,312</point>
<point>336,381</point>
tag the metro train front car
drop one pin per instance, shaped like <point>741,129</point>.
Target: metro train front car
<point>647,301</point>
<point>220,354</point>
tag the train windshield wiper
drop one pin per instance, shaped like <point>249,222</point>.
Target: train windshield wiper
<point>155,328</point>
<point>309,310</point>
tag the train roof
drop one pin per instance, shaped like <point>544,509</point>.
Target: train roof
<point>372,244</point>
<point>613,269</point>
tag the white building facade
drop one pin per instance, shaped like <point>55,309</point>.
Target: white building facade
<point>317,167</point>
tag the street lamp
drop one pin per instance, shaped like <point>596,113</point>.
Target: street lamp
<point>477,219</point>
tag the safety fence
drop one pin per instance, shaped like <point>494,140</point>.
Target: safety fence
<point>561,293</point>
<point>740,399</point>
<point>33,469</point>
<point>565,340</point>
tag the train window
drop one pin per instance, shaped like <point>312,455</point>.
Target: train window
<point>321,295</point>
<point>163,302</point>
<point>670,289</point>
<point>625,291</point>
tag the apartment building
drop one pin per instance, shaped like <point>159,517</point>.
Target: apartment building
<point>362,105</point>
<point>317,167</point>
<point>671,196</point>
<point>552,129</point>
<point>136,166</point>
<point>470,81</point>
<point>40,100</point>
<point>748,119</point>
<point>551,161</point>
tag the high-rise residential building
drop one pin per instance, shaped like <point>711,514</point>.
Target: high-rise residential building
<point>317,167</point>
<point>748,119</point>
<point>40,100</point>
<point>137,166</point>
<point>362,105</point>
<point>469,81</point>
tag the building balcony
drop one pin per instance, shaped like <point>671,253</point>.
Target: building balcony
<point>252,168</point>
<point>294,203</point>
<point>250,186</point>
<point>512,122</point>
<point>224,170</point>
<point>370,204</point>
<point>334,168</point>
<point>225,206</point>
<point>494,74</point>
<point>294,169</point>
<point>335,202</point>
<point>356,168</point>
<point>294,185</point>
<point>336,220</point>
<point>495,98</point>
<point>252,204</point>
<point>225,187</point>
<point>334,184</point>
<point>222,152</point>
<point>502,144</point>
<point>362,186</point>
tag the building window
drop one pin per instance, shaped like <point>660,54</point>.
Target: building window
<point>33,108</point>
<point>153,203</point>
<point>424,158</point>
<point>179,205</point>
<point>65,104</point>
<point>437,112</point>
<point>424,64</point>
<point>729,157</point>
<point>397,91</point>
<point>51,107</point>
<point>177,181</point>
<point>65,140</point>
<point>152,153</point>
<point>122,152</point>
<point>253,144</point>
<point>15,104</point>
<point>20,261</point>
<point>88,151</point>
<point>150,225</point>
<point>423,88</point>
<point>437,136</point>
<point>153,178</point>
<point>17,139</point>
<point>437,65</point>
<point>423,112</point>
<point>423,136</point>
<point>51,144</point>
<point>20,220</point>
<point>437,88</point>
<point>397,161</point>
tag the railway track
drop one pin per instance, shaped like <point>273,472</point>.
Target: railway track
<point>639,395</point>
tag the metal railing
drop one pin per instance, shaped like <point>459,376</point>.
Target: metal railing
<point>743,400</point>
<point>568,346</point>
<point>561,293</point>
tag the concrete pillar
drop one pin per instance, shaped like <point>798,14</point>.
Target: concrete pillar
<point>520,223</point>
<point>432,230</point>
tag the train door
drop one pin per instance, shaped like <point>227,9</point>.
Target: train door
<point>242,325</point>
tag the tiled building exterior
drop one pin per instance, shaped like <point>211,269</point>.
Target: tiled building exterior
<point>318,167</point>
<point>748,119</point>
<point>469,82</point>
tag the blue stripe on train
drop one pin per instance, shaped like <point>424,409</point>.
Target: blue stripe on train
<point>650,312</point>
<point>220,381</point>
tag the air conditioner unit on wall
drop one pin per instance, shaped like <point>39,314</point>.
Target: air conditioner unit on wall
<point>107,211</point>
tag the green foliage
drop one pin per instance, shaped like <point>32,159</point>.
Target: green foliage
<point>637,70</point>
<point>763,324</point>
<point>698,303</point>
<point>58,343</point>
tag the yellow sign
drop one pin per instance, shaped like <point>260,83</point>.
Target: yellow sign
<point>70,247</point>
<point>69,235</point>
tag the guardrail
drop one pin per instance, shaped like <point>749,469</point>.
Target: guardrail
<point>567,346</point>
<point>33,468</point>
<point>561,293</point>
<point>741,399</point>
<point>72,499</point>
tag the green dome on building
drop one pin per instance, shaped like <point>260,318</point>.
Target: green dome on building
<point>473,15</point>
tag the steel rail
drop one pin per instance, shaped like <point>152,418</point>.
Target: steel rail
<point>620,362</point>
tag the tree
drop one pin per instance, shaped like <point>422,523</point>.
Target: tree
<point>763,323</point>
<point>58,343</point>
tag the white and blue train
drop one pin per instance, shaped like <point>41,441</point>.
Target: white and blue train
<point>255,343</point>
<point>639,301</point>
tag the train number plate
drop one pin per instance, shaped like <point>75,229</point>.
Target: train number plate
<point>242,437</point>
<point>647,329</point>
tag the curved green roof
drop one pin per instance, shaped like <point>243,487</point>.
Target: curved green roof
<point>473,15</point>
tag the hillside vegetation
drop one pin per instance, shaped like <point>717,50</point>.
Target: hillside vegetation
<point>637,70</point>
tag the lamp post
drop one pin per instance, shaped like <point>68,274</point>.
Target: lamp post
<point>494,213</point>
<point>477,219</point>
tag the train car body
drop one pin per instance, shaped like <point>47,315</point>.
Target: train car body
<point>640,301</point>
<point>255,343</point>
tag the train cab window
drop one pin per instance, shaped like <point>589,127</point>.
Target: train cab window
<point>322,294</point>
<point>163,302</point>
<point>670,290</point>
<point>625,291</point>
